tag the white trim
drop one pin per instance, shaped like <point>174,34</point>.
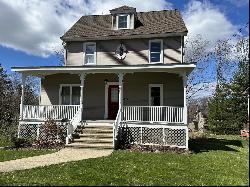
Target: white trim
<point>161,93</point>
<point>149,51</point>
<point>106,97</point>
<point>117,21</point>
<point>84,52</point>
<point>103,69</point>
<point>158,125</point>
<point>40,90</point>
<point>182,37</point>
<point>60,89</point>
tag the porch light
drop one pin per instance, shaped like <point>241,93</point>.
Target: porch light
<point>106,81</point>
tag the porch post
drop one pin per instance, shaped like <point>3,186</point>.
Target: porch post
<point>120,75</point>
<point>184,78</point>
<point>82,79</point>
<point>22,96</point>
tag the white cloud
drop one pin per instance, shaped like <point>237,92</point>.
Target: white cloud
<point>34,26</point>
<point>206,19</point>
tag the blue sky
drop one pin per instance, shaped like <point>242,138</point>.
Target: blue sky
<point>15,54</point>
<point>31,29</point>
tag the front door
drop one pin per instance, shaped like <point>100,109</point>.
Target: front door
<point>113,101</point>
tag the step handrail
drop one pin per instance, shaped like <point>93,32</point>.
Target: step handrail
<point>117,123</point>
<point>72,125</point>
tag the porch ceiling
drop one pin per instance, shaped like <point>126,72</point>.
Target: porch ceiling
<point>41,71</point>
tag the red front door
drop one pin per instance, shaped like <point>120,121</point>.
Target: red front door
<point>113,101</point>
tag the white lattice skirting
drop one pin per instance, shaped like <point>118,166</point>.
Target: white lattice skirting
<point>174,136</point>
<point>37,131</point>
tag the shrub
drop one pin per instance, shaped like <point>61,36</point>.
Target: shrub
<point>51,135</point>
<point>21,142</point>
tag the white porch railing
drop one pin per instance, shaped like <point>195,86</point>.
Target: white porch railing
<point>153,114</point>
<point>116,125</point>
<point>75,121</point>
<point>56,112</point>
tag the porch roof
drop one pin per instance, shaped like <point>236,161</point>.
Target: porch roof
<point>41,71</point>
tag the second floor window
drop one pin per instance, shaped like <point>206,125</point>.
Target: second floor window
<point>123,21</point>
<point>155,51</point>
<point>90,53</point>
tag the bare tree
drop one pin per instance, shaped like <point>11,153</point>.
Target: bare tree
<point>196,50</point>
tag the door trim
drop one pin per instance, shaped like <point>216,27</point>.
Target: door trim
<point>161,93</point>
<point>106,97</point>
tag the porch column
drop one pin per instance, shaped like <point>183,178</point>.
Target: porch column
<point>22,96</point>
<point>82,79</point>
<point>120,75</point>
<point>184,78</point>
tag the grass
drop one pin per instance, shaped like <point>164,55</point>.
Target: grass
<point>217,160</point>
<point>14,154</point>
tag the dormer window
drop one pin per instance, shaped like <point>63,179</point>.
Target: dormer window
<point>123,21</point>
<point>123,17</point>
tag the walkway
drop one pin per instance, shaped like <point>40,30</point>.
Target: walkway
<point>64,155</point>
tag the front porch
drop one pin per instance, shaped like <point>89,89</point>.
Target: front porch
<point>150,105</point>
<point>159,125</point>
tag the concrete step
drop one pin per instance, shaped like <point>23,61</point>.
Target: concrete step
<point>97,127</point>
<point>99,135</point>
<point>94,140</point>
<point>98,123</point>
<point>91,146</point>
<point>97,131</point>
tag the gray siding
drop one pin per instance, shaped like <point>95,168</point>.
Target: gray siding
<point>137,51</point>
<point>135,90</point>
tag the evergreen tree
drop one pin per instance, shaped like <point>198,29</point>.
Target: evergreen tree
<point>239,91</point>
<point>228,108</point>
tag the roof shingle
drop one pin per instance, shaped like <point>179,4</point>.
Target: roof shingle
<point>123,8</point>
<point>99,27</point>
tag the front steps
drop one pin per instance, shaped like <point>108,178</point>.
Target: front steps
<point>93,135</point>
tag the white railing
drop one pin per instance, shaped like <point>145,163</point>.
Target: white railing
<point>56,112</point>
<point>153,114</point>
<point>117,123</point>
<point>70,131</point>
<point>72,125</point>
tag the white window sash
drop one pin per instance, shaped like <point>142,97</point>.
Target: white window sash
<point>161,52</point>
<point>161,93</point>
<point>85,55</point>
<point>70,89</point>
<point>128,21</point>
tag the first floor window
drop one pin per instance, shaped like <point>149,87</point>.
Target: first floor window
<point>70,95</point>
<point>90,52</point>
<point>155,50</point>
<point>155,95</point>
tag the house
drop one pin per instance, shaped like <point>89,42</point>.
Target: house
<point>124,72</point>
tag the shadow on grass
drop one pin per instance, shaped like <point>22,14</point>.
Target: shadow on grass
<point>199,145</point>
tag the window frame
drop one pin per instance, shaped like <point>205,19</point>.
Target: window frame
<point>117,21</point>
<point>84,53</point>
<point>70,92</point>
<point>161,54</point>
<point>161,93</point>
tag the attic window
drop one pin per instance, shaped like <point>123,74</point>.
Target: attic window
<point>123,21</point>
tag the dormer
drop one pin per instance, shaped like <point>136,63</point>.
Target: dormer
<point>123,17</point>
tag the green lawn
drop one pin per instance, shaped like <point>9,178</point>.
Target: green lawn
<point>218,160</point>
<point>16,154</point>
